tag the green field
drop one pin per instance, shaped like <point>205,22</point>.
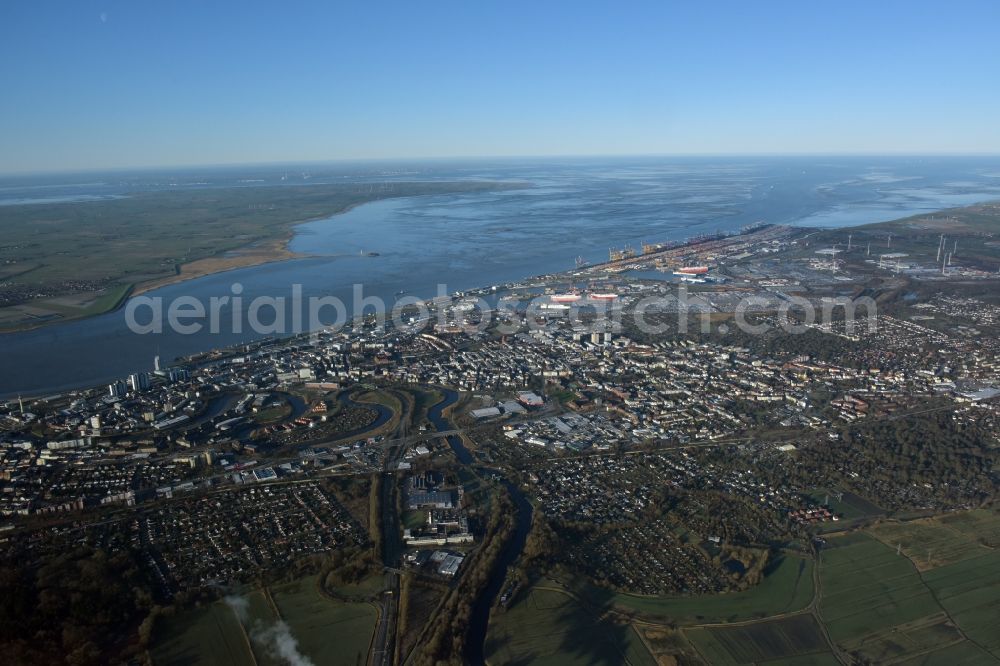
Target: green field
<point>815,659</point>
<point>867,587</point>
<point>329,632</point>
<point>547,626</point>
<point>916,638</point>
<point>963,573</point>
<point>324,630</point>
<point>788,637</point>
<point>846,504</point>
<point>970,592</point>
<point>363,590</point>
<point>715,653</point>
<point>785,589</point>
<point>982,524</point>
<point>877,605</point>
<point>929,543</point>
<point>210,636</point>
<point>959,654</point>
<point>414,519</point>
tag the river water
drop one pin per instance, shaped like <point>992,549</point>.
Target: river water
<point>570,208</point>
<point>483,604</point>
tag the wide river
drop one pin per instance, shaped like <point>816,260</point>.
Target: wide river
<point>572,208</point>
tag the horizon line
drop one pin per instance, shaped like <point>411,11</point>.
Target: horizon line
<point>440,158</point>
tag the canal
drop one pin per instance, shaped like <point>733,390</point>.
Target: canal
<point>480,619</point>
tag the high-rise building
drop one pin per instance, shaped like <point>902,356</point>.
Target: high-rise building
<point>117,389</point>
<point>138,381</point>
<point>178,375</point>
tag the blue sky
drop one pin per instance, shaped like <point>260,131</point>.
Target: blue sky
<point>117,84</point>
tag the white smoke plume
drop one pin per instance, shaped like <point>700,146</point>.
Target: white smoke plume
<point>277,639</point>
<point>239,605</point>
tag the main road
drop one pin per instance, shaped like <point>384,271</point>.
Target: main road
<point>384,643</point>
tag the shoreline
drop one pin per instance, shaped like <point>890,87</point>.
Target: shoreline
<point>692,243</point>
<point>257,253</point>
<point>271,248</point>
<point>280,253</point>
<point>272,251</point>
<point>268,251</point>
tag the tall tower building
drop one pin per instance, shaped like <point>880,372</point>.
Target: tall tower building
<point>138,381</point>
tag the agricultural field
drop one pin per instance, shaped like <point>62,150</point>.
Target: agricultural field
<point>815,659</point>
<point>961,567</point>
<point>265,626</point>
<point>212,636</point>
<point>908,641</point>
<point>328,631</point>
<point>911,608</point>
<point>982,524</point>
<point>548,626</point>
<point>930,542</point>
<point>867,587</point>
<point>795,636</point>
<point>668,645</point>
<point>957,654</point>
<point>881,601</point>
<point>970,592</point>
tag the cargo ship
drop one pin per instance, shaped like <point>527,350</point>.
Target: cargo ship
<point>603,297</point>
<point>564,298</point>
<point>691,270</point>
